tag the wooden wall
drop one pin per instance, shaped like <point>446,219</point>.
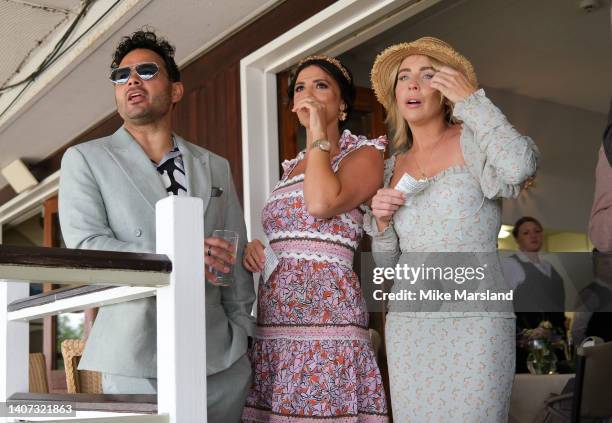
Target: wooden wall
<point>209,114</point>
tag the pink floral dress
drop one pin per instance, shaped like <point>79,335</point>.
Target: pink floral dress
<point>312,356</point>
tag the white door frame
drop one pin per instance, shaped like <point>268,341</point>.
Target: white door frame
<point>336,29</point>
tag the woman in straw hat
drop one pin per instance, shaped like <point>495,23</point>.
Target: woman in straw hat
<point>456,154</point>
<point>312,357</point>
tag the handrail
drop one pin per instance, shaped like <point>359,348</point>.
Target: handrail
<point>87,267</point>
<point>96,298</point>
<point>55,295</point>
<point>175,276</point>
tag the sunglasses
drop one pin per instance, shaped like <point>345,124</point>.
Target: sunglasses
<point>145,71</point>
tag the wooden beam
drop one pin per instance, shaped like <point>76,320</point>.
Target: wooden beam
<point>85,267</point>
<point>68,275</point>
<point>50,240</point>
<point>83,259</point>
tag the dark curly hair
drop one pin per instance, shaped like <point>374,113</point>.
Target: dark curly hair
<point>147,39</point>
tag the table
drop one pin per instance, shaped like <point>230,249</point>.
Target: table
<point>530,392</point>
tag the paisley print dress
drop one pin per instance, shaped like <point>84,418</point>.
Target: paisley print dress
<point>312,357</point>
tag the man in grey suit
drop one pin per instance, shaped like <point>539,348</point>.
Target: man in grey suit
<point>108,191</point>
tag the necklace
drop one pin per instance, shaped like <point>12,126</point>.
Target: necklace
<point>424,176</point>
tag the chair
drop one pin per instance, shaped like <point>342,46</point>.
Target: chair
<point>593,382</point>
<point>79,381</point>
<point>38,374</point>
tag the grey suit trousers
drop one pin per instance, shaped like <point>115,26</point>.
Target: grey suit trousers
<point>225,394</point>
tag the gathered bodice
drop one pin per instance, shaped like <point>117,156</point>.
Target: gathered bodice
<point>450,214</point>
<point>295,233</point>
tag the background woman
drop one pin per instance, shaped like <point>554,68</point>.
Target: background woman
<point>538,288</point>
<point>312,355</point>
<point>460,154</point>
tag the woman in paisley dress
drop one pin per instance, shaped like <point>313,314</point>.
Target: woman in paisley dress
<point>454,364</point>
<point>312,357</point>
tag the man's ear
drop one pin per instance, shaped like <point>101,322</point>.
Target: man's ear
<point>177,92</point>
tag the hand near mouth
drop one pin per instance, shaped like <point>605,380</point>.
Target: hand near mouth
<point>452,84</point>
<point>316,113</point>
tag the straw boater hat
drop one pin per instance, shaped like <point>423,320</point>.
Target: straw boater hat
<point>387,64</point>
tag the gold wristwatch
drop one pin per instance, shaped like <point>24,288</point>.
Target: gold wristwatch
<point>322,144</point>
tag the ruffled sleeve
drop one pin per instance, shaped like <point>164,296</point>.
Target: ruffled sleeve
<point>349,143</point>
<point>496,154</point>
<point>289,164</point>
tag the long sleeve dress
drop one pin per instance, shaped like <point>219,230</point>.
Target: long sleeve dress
<point>456,364</point>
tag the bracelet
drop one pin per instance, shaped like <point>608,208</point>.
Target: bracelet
<point>321,144</point>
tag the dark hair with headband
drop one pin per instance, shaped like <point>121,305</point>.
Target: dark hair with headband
<point>148,40</point>
<point>522,220</point>
<point>333,68</point>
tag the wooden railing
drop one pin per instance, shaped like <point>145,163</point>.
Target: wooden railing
<point>175,275</point>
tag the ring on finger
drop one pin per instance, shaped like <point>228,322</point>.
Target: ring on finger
<point>208,252</point>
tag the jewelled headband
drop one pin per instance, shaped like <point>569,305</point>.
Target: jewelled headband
<point>330,60</point>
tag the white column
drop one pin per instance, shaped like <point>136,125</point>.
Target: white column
<point>14,342</point>
<point>181,326</point>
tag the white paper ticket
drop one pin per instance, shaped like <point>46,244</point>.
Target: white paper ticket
<point>410,186</point>
<point>270,263</point>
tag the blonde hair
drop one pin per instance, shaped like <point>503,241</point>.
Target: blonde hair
<point>401,137</point>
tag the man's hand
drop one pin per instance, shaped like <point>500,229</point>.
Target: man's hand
<point>218,254</point>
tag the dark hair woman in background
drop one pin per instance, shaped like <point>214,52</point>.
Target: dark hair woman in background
<point>538,288</point>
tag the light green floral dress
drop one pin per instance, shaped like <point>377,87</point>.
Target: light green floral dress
<point>456,364</point>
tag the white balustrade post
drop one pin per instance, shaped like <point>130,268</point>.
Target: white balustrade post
<point>181,326</point>
<point>14,342</point>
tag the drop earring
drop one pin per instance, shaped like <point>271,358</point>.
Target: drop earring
<point>342,115</point>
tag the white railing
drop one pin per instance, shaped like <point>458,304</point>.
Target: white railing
<point>181,337</point>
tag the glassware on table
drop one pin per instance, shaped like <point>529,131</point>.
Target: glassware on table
<point>541,359</point>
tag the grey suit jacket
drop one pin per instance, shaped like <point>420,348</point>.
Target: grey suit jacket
<point>108,190</point>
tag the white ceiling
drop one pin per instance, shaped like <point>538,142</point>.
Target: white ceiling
<point>27,27</point>
<point>75,93</point>
<point>544,49</point>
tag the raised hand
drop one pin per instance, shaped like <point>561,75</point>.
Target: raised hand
<point>316,116</point>
<point>452,84</point>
